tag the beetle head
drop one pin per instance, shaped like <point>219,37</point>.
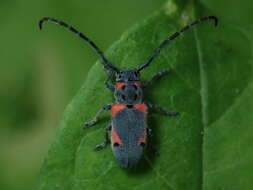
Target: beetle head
<point>128,75</point>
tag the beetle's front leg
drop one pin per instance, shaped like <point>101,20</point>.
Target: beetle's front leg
<point>156,77</point>
<point>92,122</point>
<point>106,141</point>
<point>107,83</point>
<point>162,110</point>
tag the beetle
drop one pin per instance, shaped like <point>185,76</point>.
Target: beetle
<point>129,129</point>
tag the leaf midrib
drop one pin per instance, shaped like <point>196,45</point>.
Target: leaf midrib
<point>203,98</point>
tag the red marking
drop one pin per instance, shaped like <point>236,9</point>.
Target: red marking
<point>143,137</point>
<point>120,84</point>
<point>141,107</point>
<point>115,137</point>
<point>116,108</point>
<point>137,83</point>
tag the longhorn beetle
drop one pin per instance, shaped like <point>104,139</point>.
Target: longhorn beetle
<point>128,128</point>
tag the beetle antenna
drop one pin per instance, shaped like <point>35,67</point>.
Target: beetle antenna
<point>175,35</point>
<point>106,63</point>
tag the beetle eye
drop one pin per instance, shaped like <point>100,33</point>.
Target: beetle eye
<point>115,144</point>
<point>142,144</point>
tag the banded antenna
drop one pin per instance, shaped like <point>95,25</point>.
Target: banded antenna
<point>107,64</point>
<point>173,36</point>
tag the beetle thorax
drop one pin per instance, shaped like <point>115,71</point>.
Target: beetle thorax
<point>128,93</point>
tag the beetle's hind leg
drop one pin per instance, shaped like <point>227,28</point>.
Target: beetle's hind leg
<point>152,148</point>
<point>106,141</point>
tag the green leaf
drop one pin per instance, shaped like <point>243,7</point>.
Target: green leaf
<point>207,147</point>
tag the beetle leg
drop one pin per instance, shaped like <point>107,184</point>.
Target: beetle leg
<point>107,140</point>
<point>162,110</point>
<point>156,77</point>
<point>151,146</point>
<point>107,83</point>
<point>95,120</point>
<point>149,131</point>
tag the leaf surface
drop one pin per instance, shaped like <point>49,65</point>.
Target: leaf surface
<point>207,147</point>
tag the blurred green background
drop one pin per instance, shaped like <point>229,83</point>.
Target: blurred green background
<point>42,70</point>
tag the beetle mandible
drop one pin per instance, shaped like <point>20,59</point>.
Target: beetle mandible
<point>128,128</point>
